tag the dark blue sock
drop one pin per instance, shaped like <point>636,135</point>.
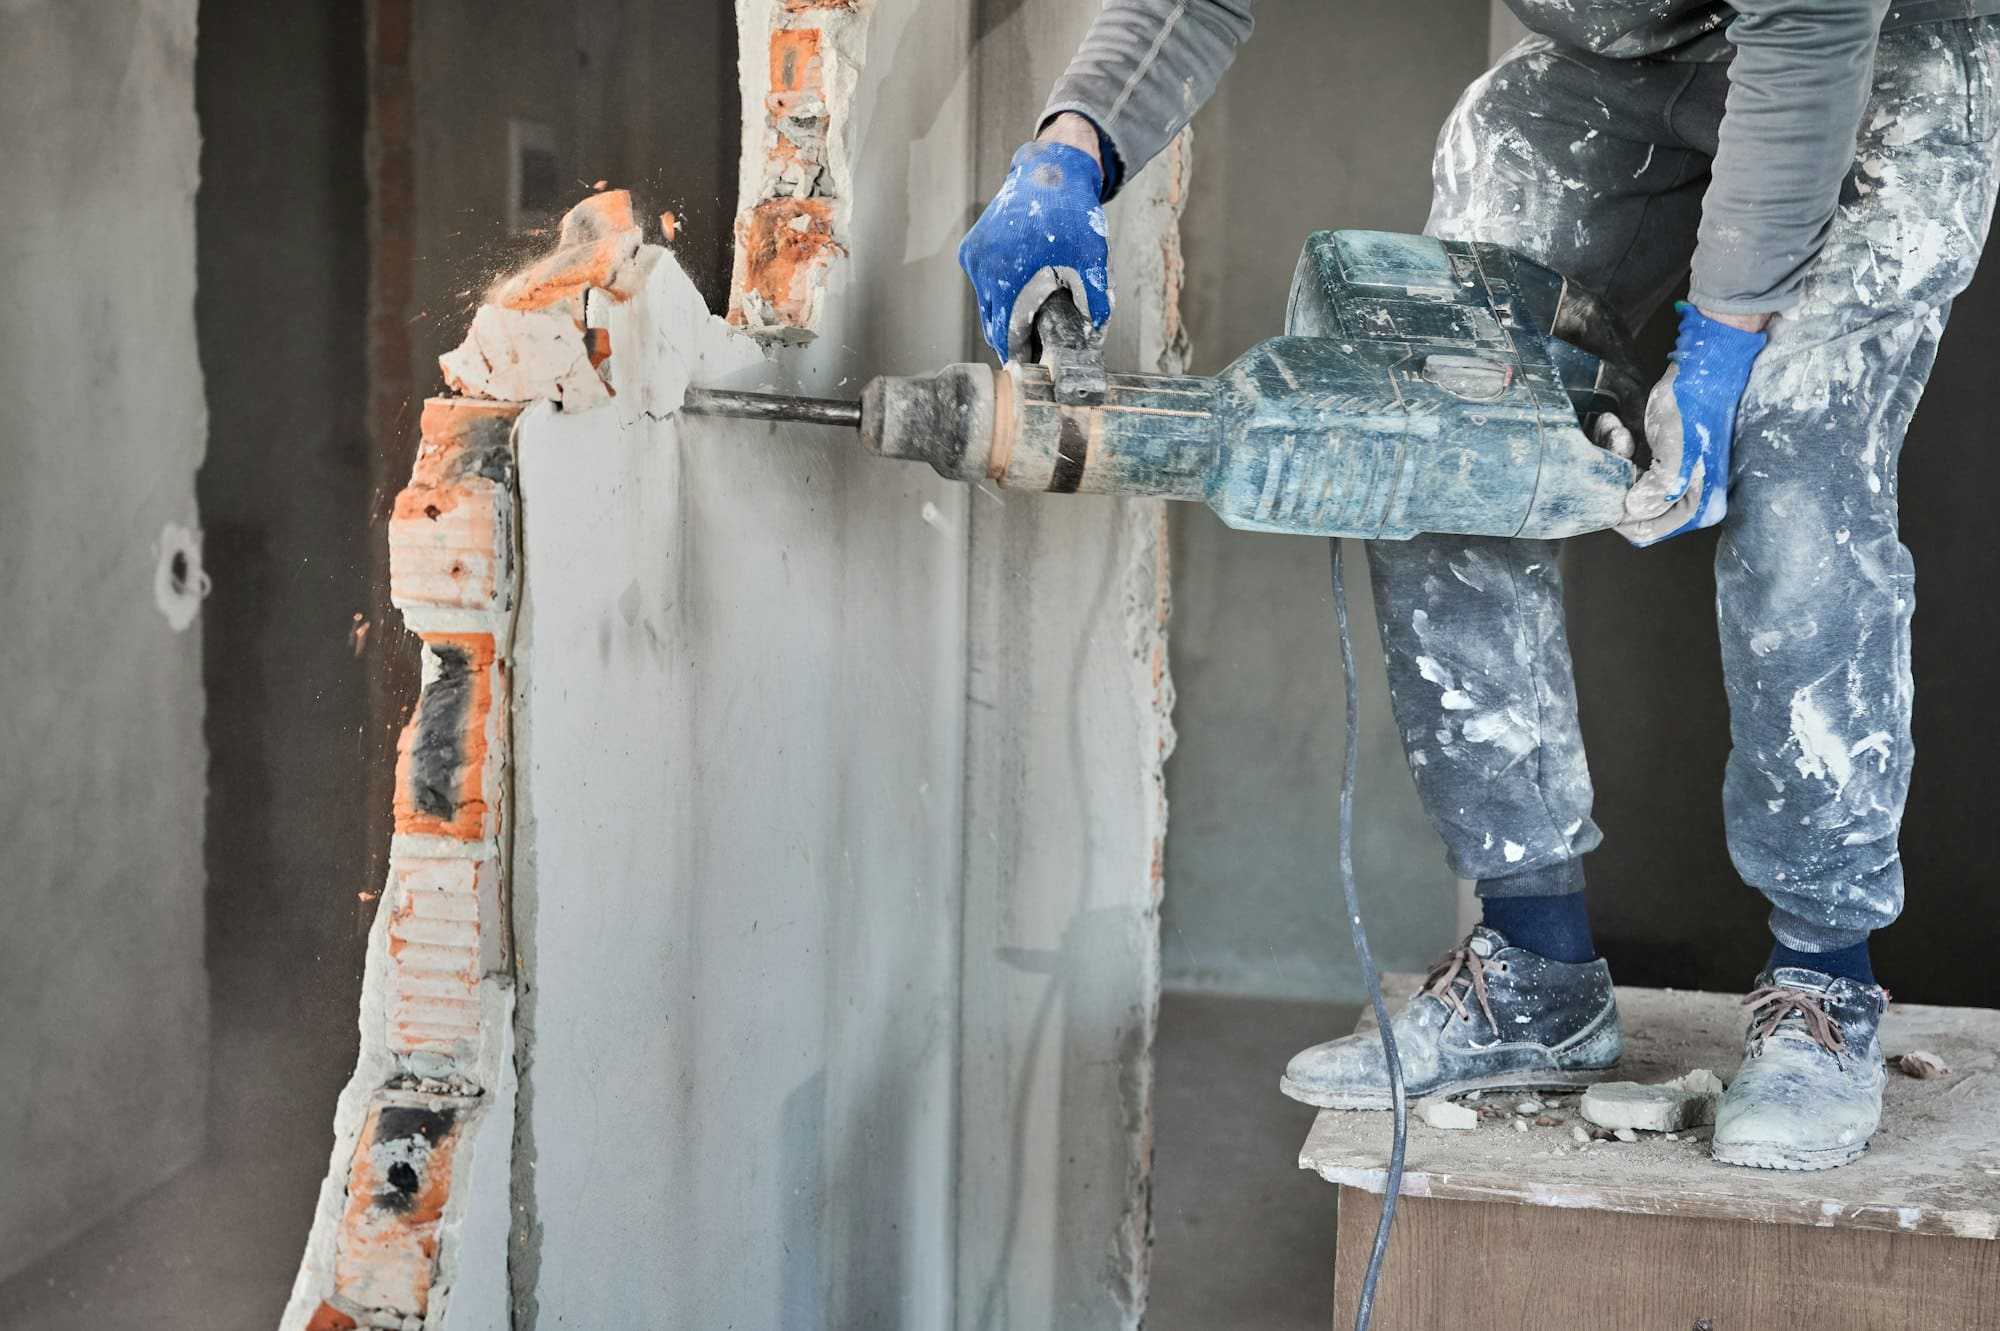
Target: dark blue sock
<point>1849,963</point>
<point>1555,927</point>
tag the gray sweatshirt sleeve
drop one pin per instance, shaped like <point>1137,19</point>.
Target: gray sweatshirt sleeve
<point>1144,69</point>
<point>1797,88</point>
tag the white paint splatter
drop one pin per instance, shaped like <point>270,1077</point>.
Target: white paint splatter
<point>1823,755</point>
<point>1513,850</point>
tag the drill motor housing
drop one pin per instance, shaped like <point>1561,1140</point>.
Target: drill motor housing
<point>1421,385</point>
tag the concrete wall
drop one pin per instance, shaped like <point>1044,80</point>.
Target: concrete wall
<point>1326,120</point>
<point>103,999</point>
<point>1067,740</point>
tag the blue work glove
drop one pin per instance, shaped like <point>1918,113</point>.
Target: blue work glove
<point>1045,229</point>
<point>1690,424</point>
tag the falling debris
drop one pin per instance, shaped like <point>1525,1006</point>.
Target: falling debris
<point>522,355</point>
<point>670,227</point>
<point>1666,1108</point>
<point>531,339</point>
<point>1447,1116</point>
<point>1923,1065</point>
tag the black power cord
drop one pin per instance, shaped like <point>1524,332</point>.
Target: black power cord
<point>1399,1108</point>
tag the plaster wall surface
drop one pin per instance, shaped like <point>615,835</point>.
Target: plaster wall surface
<point>103,998</point>
<point>740,719</point>
<point>1067,737</point>
<point>836,869</point>
<point>1326,120</point>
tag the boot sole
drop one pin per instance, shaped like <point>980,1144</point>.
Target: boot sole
<point>1768,1155</point>
<point>1528,1079</point>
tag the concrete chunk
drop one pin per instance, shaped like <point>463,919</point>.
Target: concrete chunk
<point>1446,1115</point>
<point>1627,1104</point>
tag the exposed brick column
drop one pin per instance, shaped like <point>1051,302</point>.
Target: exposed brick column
<point>789,233</point>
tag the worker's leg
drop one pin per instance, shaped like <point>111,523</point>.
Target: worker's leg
<point>1572,161</point>
<point>1814,591</point>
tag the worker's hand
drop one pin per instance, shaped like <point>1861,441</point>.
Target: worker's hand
<point>1045,229</point>
<point>1690,424</point>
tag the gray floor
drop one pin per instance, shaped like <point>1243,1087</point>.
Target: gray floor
<point>1242,1238</point>
<point>216,1246</point>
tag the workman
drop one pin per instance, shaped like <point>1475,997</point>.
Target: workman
<point>1827,170</point>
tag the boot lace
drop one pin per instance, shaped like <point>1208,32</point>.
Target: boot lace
<point>1454,974</point>
<point>1772,1004</point>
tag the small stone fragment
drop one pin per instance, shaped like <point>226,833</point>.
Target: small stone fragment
<point>1627,1104</point>
<point>1447,1116</point>
<point>1528,1107</point>
<point>1673,1136</point>
<point>1701,1081</point>
<point>1626,1135</point>
<point>1578,1131</point>
<point>1923,1065</point>
<point>1547,1121</point>
<point>1520,1125</point>
<point>1475,1096</point>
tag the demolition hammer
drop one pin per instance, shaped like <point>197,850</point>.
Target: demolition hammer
<point>1421,386</point>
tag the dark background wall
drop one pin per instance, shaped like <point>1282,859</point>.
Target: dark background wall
<point>1665,899</point>
<point>1326,120</point>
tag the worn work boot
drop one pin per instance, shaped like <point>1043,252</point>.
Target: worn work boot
<point>1810,1092</point>
<point>1490,1016</point>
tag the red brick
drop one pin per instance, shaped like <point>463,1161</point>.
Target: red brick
<point>795,60</point>
<point>434,954</point>
<point>783,248</point>
<point>385,1256</point>
<point>449,529</point>
<point>440,771</point>
<point>326,1317</point>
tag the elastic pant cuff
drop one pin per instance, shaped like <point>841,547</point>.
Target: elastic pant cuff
<point>1802,935</point>
<point>1550,880</point>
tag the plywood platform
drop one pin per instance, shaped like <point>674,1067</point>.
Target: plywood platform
<point>1934,1168</point>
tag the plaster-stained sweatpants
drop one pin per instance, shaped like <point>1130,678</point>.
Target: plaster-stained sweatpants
<point>1596,167</point>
